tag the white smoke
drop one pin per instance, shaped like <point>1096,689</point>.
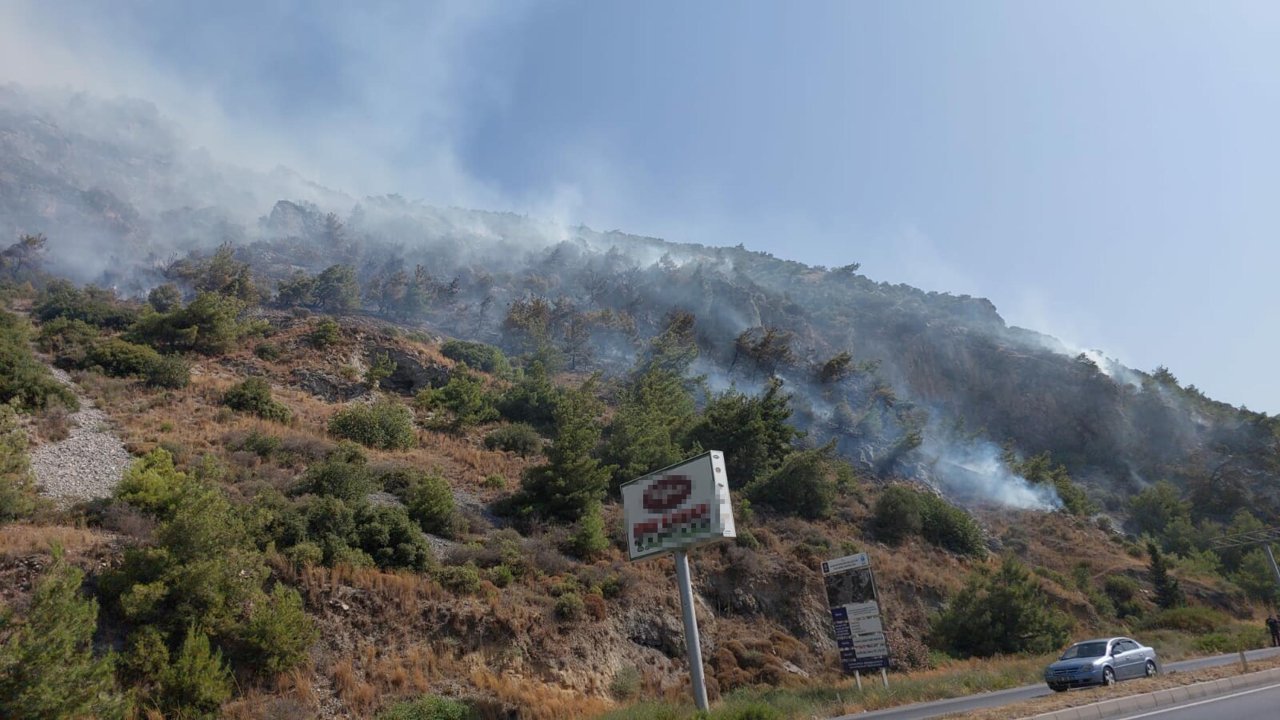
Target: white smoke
<point>972,472</point>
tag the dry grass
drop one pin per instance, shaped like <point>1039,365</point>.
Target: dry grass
<point>21,539</point>
<point>537,701</point>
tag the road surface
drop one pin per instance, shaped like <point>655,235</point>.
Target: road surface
<point>937,708</point>
<point>1257,704</point>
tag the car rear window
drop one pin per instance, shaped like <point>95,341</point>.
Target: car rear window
<point>1084,650</point>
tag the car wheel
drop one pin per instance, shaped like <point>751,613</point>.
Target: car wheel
<point>1151,668</point>
<point>1108,676</point>
<point>1058,688</point>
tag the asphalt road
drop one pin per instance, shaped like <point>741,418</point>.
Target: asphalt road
<point>1257,704</point>
<point>937,708</point>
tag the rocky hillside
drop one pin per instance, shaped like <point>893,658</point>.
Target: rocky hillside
<point>373,448</point>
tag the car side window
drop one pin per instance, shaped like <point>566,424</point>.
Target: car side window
<point>1124,646</point>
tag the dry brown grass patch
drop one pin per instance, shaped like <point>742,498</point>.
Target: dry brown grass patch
<point>22,539</point>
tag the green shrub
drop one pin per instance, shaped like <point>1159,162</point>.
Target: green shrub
<point>279,632</point>
<point>1190,619</point>
<point>91,305</point>
<point>569,606</point>
<point>520,438</point>
<point>804,485</point>
<point>589,540</point>
<point>18,497</point>
<point>343,474</point>
<point>120,358</point>
<point>1000,613</point>
<point>67,340</point>
<point>476,355</point>
<point>464,396</point>
<point>384,424</point>
<point>170,371</point>
<point>495,482</point>
<point>152,484</point>
<point>209,325</point>
<point>532,399</point>
<point>501,575</point>
<point>626,684</point>
<point>386,534</point>
<point>259,443</point>
<point>197,683</point>
<point>253,396</point>
<point>429,500</point>
<point>25,382</point>
<point>902,511</point>
<point>428,707</point>
<point>47,664</point>
<point>326,333</point>
<point>267,351</point>
<point>459,579</point>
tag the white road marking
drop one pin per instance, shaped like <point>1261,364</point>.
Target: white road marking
<point>1153,713</point>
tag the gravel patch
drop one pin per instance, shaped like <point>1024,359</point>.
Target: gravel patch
<point>89,463</point>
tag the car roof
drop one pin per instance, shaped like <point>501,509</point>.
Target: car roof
<point>1105,639</point>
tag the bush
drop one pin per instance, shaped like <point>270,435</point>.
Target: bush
<point>901,512</point>
<point>464,396</point>
<point>385,424</point>
<point>343,474</point>
<point>477,355</point>
<point>626,684</point>
<point>1000,614</point>
<point>428,707</point>
<point>279,632</point>
<point>209,325</point>
<point>25,382</point>
<point>169,372</point>
<point>267,351</point>
<point>495,482</point>
<point>18,497</point>
<point>152,484</point>
<point>259,443</point>
<point>91,305</point>
<point>326,333</point>
<point>387,535</point>
<point>1197,620</point>
<point>459,579</point>
<point>429,500</point>
<point>569,606</point>
<point>531,400</point>
<point>805,485</point>
<point>120,358</point>
<point>520,438</point>
<point>589,540</point>
<point>47,665</point>
<point>253,396</point>
<point>197,683</point>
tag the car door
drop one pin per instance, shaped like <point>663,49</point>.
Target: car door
<point>1128,660</point>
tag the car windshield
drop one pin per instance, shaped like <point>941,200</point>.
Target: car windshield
<point>1085,650</point>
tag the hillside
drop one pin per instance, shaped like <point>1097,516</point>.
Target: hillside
<point>376,444</point>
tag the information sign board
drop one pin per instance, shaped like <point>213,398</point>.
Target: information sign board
<point>855,612</point>
<point>678,507</point>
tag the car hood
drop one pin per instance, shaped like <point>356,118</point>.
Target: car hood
<point>1073,663</point>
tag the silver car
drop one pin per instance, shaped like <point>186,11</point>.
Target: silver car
<point>1101,662</point>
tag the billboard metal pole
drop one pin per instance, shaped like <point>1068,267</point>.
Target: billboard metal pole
<point>692,642</point>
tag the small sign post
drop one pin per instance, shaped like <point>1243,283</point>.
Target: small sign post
<point>672,510</point>
<point>855,612</point>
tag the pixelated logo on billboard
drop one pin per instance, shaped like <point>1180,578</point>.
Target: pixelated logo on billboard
<point>678,507</point>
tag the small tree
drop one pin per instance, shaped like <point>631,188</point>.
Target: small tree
<point>1000,614</point>
<point>571,480</point>
<point>197,683</point>
<point>1168,591</point>
<point>589,540</point>
<point>429,500</point>
<point>47,667</point>
<point>17,491</point>
<point>253,396</point>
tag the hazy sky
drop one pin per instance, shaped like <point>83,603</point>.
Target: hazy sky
<point>1105,172</point>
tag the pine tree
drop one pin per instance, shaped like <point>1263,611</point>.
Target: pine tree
<point>197,683</point>
<point>1001,613</point>
<point>1168,592</point>
<point>571,480</point>
<point>47,667</point>
<point>752,432</point>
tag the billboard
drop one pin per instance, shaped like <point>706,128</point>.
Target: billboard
<point>855,611</point>
<point>678,507</point>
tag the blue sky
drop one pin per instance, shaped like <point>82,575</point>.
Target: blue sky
<point>1105,172</point>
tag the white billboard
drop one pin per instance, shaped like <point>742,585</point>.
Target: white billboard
<point>678,507</point>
